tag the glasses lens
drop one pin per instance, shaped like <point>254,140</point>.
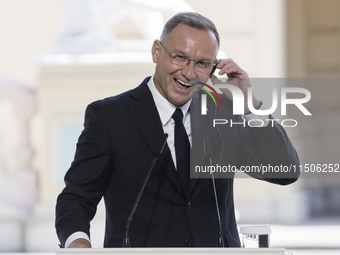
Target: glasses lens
<point>180,60</point>
<point>203,67</point>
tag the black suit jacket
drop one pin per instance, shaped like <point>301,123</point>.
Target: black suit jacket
<point>121,134</point>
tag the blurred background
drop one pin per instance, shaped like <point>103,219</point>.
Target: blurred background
<point>57,56</point>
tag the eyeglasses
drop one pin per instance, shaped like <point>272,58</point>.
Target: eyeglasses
<point>201,66</point>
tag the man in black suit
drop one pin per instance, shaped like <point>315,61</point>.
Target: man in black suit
<point>122,134</point>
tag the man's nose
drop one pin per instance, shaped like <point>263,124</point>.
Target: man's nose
<point>188,71</point>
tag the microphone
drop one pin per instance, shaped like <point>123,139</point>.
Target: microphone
<point>208,154</point>
<point>126,241</point>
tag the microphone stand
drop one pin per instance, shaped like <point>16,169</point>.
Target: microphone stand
<point>208,154</point>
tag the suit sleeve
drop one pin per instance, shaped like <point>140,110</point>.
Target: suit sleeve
<point>87,178</point>
<point>268,154</point>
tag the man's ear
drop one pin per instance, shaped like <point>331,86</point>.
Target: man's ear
<point>155,50</point>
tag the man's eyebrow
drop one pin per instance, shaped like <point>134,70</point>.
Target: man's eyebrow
<point>180,53</point>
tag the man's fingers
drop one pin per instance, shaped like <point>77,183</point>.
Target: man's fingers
<point>230,68</point>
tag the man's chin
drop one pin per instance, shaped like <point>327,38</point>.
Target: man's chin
<point>180,102</point>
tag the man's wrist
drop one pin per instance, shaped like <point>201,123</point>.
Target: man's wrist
<point>258,120</point>
<point>247,111</point>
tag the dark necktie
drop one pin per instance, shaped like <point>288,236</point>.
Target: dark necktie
<point>182,148</point>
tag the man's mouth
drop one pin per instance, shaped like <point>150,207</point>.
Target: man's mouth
<point>182,83</point>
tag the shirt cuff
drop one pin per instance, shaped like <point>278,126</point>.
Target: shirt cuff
<point>75,236</point>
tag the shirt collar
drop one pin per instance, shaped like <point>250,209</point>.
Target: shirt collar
<point>164,107</point>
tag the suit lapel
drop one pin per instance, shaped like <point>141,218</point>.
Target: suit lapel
<point>144,111</point>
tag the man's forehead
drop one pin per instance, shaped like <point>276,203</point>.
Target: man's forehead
<point>185,38</point>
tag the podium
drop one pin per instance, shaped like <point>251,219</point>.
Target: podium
<point>175,251</point>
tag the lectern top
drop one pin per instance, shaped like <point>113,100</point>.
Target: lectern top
<point>175,251</point>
